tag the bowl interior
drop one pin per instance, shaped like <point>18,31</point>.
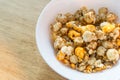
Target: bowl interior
<point>44,42</point>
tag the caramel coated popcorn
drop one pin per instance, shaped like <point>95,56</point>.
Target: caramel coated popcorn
<point>87,41</point>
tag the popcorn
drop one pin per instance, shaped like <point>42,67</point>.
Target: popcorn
<point>112,54</point>
<point>101,51</point>
<point>72,34</point>
<point>89,36</point>
<point>67,50</point>
<point>80,52</point>
<point>87,41</point>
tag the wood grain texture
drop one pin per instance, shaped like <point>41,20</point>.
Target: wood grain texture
<point>19,57</point>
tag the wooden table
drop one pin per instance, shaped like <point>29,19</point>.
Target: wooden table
<point>19,56</point>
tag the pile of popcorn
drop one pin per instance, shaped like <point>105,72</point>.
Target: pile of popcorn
<point>87,41</point>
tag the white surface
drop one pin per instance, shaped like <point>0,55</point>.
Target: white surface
<point>44,43</point>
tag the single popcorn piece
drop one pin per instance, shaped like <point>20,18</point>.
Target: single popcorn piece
<point>60,56</point>
<point>86,58</point>
<point>98,64</point>
<point>72,34</point>
<point>92,45</point>
<point>89,17</point>
<point>77,28</point>
<point>101,51</point>
<point>59,42</point>
<point>90,28</point>
<point>89,36</point>
<point>103,10</point>
<point>83,10</point>
<point>70,17</point>
<point>80,52</point>
<point>82,68</point>
<point>78,40</point>
<point>89,69</point>
<point>57,26</point>
<point>107,44</point>
<point>64,30</point>
<point>102,13</point>
<point>68,50</point>
<point>100,35</point>
<point>61,18</point>
<point>71,24</point>
<point>73,59</point>
<point>111,17</point>
<point>91,51</point>
<point>112,54</point>
<point>115,34</point>
<point>107,27</point>
<point>82,29</point>
<point>91,61</point>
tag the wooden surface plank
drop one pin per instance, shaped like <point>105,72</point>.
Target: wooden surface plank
<point>19,57</point>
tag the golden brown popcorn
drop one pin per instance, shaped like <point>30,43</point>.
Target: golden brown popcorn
<point>59,42</point>
<point>101,51</point>
<point>72,34</point>
<point>73,59</point>
<point>112,54</point>
<point>111,17</point>
<point>61,18</point>
<point>89,36</point>
<point>89,17</point>
<point>87,41</point>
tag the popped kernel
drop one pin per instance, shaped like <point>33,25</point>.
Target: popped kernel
<point>89,69</point>
<point>80,52</point>
<point>101,51</point>
<point>73,59</point>
<point>77,28</point>
<point>89,36</point>
<point>67,50</point>
<point>100,35</point>
<point>57,26</point>
<point>70,24</point>
<point>107,44</point>
<point>103,10</point>
<point>115,34</point>
<point>89,17</point>
<point>78,40</point>
<point>72,34</point>
<point>98,63</point>
<point>108,28</point>
<point>91,61</point>
<point>61,18</point>
<point>60,56</point>
<point>81,68</point>
<point>111,17</point>
<point>59,42</point>
<point>64,31</point>
<point>90,28</point>
<point>112,54</point>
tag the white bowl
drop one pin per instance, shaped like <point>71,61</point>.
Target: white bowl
<point>44,42</point>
